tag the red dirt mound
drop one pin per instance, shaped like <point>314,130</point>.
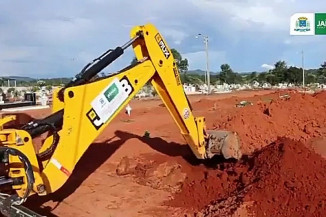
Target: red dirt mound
<point>288,180</point>
<point>283,179</point>
<point>300,117</point>
<point>320,95</point>
<point>203,186</point>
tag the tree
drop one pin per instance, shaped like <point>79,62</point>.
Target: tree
<point>237,78</point>
<point>225,70</point>
<point>280,65</point>
<point>322,70</point>
<point>153,92</point>
<point>16,93</point>
<point>279,71</point>
<point>133,61</point>
<point>35,88</point>
<point>227,75</point>
<point>176,55</point>
<point>40,83</point>
<point>311,78</point>
<point>293,75</point>
<point>48,87</point>
<point>251,77</point>
<point>261,78</point>
<point>11,89</point>
<point>271,78</point>
<point>182,64</point>
<point>192,79</point>
<point>323,66</point>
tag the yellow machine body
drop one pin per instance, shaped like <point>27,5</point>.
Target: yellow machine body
<point>85,117</point>
<point>83,110</point>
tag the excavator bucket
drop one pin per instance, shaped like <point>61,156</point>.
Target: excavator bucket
<point>224,143</point>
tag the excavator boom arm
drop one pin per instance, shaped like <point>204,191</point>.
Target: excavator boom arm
<point>85,107</point>
<point>89,108</point>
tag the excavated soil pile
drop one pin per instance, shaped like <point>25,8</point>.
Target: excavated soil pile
<point>288,180</point>
<point>283,179</point>
<point>296,116</point>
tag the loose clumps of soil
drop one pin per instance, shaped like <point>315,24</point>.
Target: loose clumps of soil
<point>160,175</point>
<point>283,179</point>
<point>279,175</point>
<point>298,116</point>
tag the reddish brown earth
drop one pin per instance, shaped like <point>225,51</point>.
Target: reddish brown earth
<point>125,174</point>
<point>283,179</point>
<point>300,117</point>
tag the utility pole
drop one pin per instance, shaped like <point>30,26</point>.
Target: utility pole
<point>207,63</point>
<point>207,66</point>
<point>303,83</point>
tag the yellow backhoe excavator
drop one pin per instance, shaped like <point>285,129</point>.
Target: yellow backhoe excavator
<point>84,107</point>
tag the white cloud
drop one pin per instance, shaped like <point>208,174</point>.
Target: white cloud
<point>46,39</point>
<point>266,15</point>
<point>267,66</point>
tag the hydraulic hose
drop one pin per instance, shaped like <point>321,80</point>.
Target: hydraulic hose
<point>55,121</point>
<point>28,170</point>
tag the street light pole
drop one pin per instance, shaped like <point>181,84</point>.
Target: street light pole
<point>303,83</point>
<point>207,64</point>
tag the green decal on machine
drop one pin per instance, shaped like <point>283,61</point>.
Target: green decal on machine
<point>105,105</point>
<point>111,92</point>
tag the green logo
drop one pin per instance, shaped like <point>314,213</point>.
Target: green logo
<point>320,23</point>
<point>111,92</point>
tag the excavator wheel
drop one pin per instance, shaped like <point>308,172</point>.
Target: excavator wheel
<point>224,143</point>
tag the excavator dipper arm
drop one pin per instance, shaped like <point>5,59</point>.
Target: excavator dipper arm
<point>86,106</point>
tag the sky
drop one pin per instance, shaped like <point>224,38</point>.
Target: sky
<point>47,39</point>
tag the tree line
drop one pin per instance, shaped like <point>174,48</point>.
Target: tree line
<point>281,73</point>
